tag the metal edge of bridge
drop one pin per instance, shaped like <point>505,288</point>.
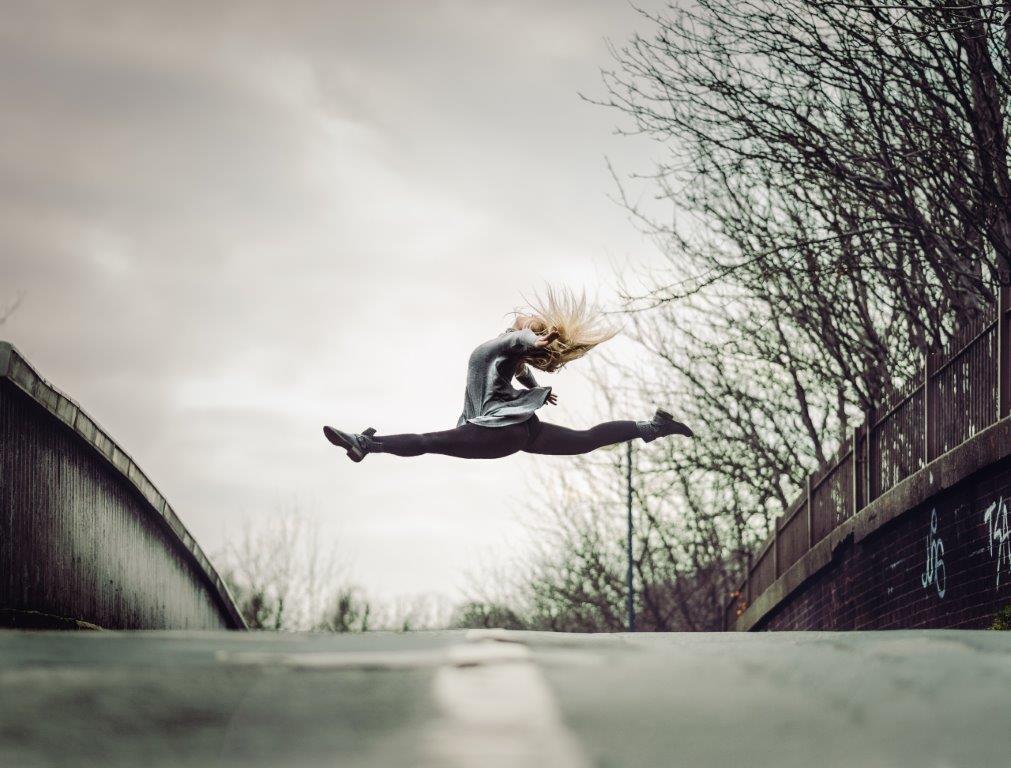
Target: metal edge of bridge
<point>983,449</point>
<point>16,369</point>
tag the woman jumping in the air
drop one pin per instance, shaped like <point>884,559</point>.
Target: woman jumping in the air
<point>499,420</point>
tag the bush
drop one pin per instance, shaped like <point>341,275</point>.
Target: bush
<point>1002,621</point>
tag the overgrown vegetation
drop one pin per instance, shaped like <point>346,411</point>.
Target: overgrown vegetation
<point>1002,621</point>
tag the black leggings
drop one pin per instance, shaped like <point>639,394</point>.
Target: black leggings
<point>471,441</point>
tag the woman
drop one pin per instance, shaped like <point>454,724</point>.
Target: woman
<point>499,420</point>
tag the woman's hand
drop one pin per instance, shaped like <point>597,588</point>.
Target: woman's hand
<point>543,341</point>
<point>552,398</point>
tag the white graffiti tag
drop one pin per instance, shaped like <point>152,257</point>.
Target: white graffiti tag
<point>996,520</point>
<point>935,572</point>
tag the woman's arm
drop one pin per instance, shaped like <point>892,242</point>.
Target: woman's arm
<point>532,344</point>
<point>525,376</point>
<point>528,342</point>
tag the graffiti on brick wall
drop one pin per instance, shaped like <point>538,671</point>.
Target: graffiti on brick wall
<point>934,573</point>
<point>996,519</point>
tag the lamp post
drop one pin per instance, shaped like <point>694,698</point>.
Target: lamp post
<point>628,484</point>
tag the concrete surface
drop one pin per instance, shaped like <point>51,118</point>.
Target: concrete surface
<point>152,699</point>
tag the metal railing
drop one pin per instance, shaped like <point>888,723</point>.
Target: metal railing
<point>964,388</point>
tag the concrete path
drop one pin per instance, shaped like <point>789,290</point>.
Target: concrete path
<point>489,699</point>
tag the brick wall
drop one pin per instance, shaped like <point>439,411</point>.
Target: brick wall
<point>944,564</point>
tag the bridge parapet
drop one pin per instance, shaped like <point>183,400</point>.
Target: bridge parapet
<point>84,533</point>
<point>936,429</point>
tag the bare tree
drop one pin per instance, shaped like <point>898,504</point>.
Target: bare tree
<point>842,170</point>
<point>828,139</point>
<point>834,203</point>
<point>9,309</point>
<point>476,614</point>
<point>414,612</point>
<point>575,579</point>
<point>283,578</point>
<point>349,611</point>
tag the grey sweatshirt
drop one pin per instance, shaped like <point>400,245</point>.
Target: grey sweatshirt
<point>490,399</point>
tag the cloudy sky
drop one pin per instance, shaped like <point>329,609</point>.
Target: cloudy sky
<point>232,223</point>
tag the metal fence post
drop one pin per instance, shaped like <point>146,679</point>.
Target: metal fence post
<point>775,548</point>
<point>869,456</point>
<point>1004,352</point>
<point>630,575</point>
<point>928,406</point>
<point>747,580</point>
<point>810,516</point>
<point>855,471</point>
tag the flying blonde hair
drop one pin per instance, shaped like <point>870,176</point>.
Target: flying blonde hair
<point>579,325</point>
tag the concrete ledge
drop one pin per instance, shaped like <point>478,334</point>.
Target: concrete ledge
<point>15,368</point>
<point>11,619</point>
<point>979,452</point>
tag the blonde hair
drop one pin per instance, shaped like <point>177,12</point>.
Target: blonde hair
<point>578,324</point>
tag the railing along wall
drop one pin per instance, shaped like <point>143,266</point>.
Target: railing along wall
<point>964,388</point>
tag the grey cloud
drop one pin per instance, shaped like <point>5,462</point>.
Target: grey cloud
<point>234,221</point>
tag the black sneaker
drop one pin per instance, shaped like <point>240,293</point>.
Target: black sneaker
<point>357,445</point>
<point>660,425</point>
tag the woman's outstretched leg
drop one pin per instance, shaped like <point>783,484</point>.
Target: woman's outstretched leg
<point>468,441</point>
<point>562,441</point>
<point>471,441</point>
